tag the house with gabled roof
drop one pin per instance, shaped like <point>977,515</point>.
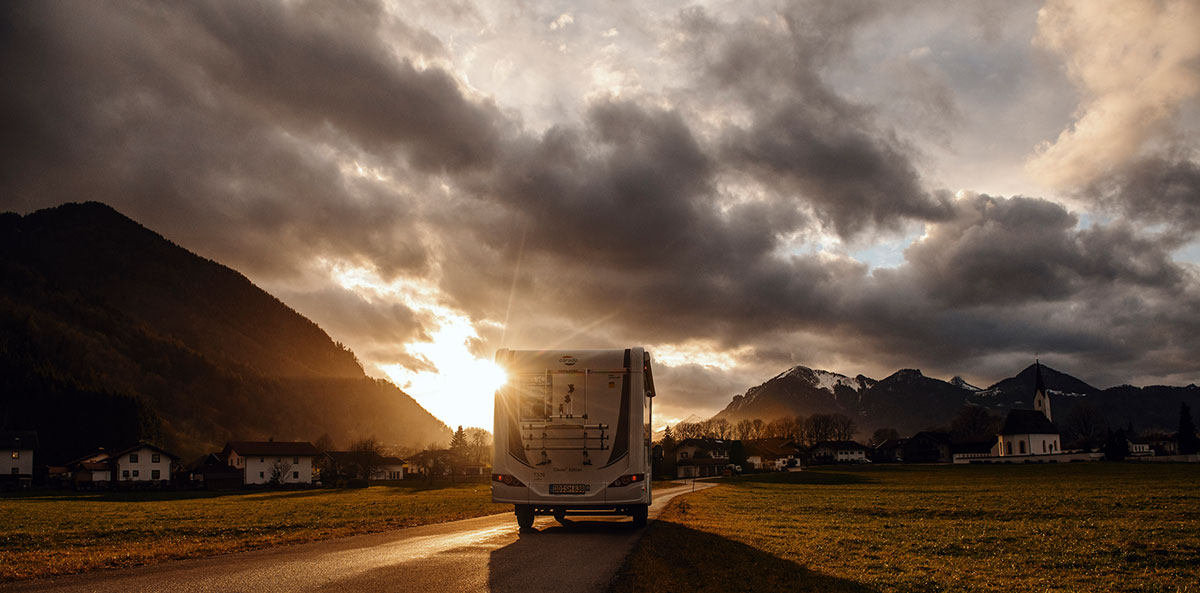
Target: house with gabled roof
<point>698,458</point>
<point>840,452</point>
<point>91,471</point>
<point>928,446</point>
<point>18,447</point>
<point>272,462</point>
<point>142,464</point>
<point>774,453</point>
<point>211,472</point>
<point>349,464</point>
<point>889,451</point>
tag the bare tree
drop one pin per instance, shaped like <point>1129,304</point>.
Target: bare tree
<point>280,470</point>
<point>1084,425</point>
<point>884,434</point>
<point>973,422</point>
<point>757,426</point>
<point>688,430</point>
<point>480,444</point>
<point>843,427</point>
<point>777,428</point>
<point>743,429</point>
<point>819,427</point>
<point>722,429</point>
<point>366,455</point>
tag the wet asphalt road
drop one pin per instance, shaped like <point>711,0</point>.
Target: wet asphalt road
<point>481,554</point>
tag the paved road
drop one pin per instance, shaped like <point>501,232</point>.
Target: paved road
<point>481,554</point>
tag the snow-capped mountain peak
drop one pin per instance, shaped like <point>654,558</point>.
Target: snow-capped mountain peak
<point>959,382</point>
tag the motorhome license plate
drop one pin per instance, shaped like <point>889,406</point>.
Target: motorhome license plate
<point>568,488</point>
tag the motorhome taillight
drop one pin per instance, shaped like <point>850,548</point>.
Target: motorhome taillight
<point>506,479</point>
<point>627,480</point>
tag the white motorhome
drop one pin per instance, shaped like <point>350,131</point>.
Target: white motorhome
<point>572,433</point>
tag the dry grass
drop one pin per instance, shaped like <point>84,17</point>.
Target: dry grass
<point>56,533</point>
<point>1077,527</point>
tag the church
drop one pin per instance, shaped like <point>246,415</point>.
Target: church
<point>1030,432</point>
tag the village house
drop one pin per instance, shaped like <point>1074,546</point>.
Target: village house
<point>213,473</point>
<point>839,452</point>
<point>698,458</point>
<point>141,464</point>
<point>272,462</point>
<point>18,448</point>
<point>889,451</point>
<point>91,471</point>
<point>773,453</point>
<point>1162,443</point>
<point>1138,447</point>
<point>928,447</point>
<point>391,468</point>
<point>349,464</point>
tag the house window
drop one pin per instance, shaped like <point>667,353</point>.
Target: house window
<point>683,454</point>
<point>1043,446</point>
<point>155,458</point>
<point>16,455</point>
<point>1022,445</point>
<point>155,474</point>
<point>296,475</point>
<point>261,459</point>
<point>260,474</point>
<point>16,470</point>
<point>295,460</point>
<point>1008,448</point>
<point>135,473</point>
<point>133,458</point>
<point>125,474</point>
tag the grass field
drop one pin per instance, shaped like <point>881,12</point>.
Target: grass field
<point>63,532</point>
<point>1073,527</point>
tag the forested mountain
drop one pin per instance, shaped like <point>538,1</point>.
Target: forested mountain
<point>909,401</point>
<point>110,333</point>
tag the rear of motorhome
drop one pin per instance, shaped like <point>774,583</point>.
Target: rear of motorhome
<point>572,433</point>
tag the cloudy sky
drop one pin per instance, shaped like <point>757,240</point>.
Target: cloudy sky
<point>740,186</point>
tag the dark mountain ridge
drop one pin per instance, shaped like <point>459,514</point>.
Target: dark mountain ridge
<point>110,333</point>
<point>909,401</point>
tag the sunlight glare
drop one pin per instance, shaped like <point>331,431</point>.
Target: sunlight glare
<point>459,390</point>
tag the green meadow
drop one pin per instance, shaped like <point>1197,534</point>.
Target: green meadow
<point>1060,527</point>
<point>44,534</point>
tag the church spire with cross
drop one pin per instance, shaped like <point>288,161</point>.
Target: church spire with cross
<point>1041,398</point>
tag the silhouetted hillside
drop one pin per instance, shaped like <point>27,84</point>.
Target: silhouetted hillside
<point>102,319</point>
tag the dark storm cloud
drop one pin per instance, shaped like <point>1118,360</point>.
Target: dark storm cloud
<point>1159,189</point>
<point>803,138</point>
<point>998,251</point>
<point>319,65</point>
<point>228,126</point>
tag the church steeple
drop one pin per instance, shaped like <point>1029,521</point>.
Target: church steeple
<point>1041,399</point>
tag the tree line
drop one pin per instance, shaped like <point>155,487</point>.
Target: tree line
<point>810,430</point>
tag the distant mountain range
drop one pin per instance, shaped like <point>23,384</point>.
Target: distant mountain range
<point>110,333</point>
<point>909,401</point>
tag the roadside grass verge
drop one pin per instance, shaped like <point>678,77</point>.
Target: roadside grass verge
<point>54,533</point>
<point>1075,527</point>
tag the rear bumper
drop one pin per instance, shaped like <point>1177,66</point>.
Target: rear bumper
<point>607,497</point>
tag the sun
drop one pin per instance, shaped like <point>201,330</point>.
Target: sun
<point>460,388</point>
